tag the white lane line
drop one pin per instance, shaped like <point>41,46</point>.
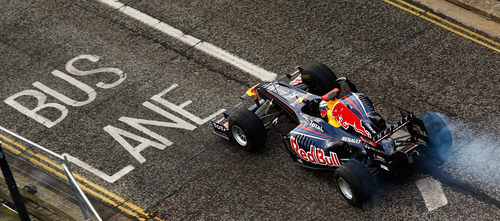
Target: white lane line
<point>432,192</point>
<point>191,41</point>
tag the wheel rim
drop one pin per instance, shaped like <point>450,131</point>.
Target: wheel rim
<point>239,135</point>
<point>344,188</point>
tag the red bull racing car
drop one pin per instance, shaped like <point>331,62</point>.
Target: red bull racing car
<point>345,134</point>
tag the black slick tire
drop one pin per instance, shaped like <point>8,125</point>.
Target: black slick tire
<point>247,130</point>
<point>319,79</point>
<point>355,183</point>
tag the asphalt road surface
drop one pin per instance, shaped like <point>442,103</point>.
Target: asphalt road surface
<point>129,104</point>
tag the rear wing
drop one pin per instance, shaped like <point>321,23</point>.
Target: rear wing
<point>414,126</point>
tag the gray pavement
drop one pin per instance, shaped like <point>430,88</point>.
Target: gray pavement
<point>396,58</point>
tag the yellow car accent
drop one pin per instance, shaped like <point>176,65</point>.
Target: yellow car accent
<point>331,119</point>
<point>252,92</point>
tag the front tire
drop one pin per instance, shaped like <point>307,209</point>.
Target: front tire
<point>356,184</point>
<point>247,130</point>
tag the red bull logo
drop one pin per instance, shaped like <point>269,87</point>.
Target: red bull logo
<point>347,118</point>
<point>315,155</point>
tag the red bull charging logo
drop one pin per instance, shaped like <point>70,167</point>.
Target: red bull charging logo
<point>347,118</point>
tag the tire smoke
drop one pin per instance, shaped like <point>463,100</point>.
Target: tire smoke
<point>471,164</point>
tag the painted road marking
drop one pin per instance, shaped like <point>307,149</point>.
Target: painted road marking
<point>42,97</point>
<point>432,192</point>
<point>97,191</point>
<point>110,179</point>
<point>191,41</point>
<point>116,133</point>
<point>443,23</point>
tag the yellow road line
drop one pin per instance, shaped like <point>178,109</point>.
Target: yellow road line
<point>82,181</point>
<point>39,156</point>
<point>12,141</point>
<point>401,7</point>
<point>411,6</point>
<point>12,149</point>
<point>424,16</point>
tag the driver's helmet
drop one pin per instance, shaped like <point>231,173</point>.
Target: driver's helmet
<point>323,109</point>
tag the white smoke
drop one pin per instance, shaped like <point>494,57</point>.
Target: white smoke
<point>473,163</point>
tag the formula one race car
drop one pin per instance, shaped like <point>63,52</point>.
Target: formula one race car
<point>345,134</point>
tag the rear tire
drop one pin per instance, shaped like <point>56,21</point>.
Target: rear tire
<point>356,184</point>
<point>319,79</point>
<point>440,139</point>
<point>247,130</point>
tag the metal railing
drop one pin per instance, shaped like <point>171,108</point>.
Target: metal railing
<point>89,213</point>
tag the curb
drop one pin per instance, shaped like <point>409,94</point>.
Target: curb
<point>475,9</point>
<point>35,206</point>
